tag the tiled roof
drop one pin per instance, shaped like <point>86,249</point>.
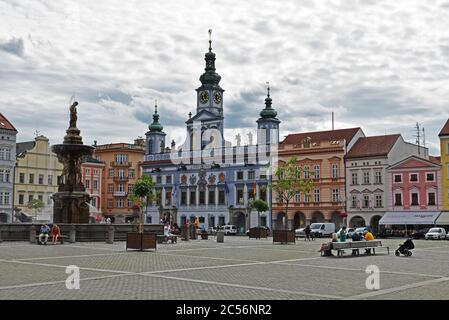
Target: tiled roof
<point>5,124</point>
<point>319,136</point>
<point>373,146</point>
<point>21,147</point>
<point>445,130</point>
<point>436,160</point>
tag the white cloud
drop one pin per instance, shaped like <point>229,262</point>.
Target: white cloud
<point>368,61</point>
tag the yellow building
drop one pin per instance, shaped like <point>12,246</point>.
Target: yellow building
<point>444,147</point>
<point>36,176</point>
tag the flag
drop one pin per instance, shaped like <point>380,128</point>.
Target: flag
<point>254,189</point>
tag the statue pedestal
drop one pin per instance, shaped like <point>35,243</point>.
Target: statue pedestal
<point>71,207</point>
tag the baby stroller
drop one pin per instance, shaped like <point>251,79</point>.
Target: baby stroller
<point>405,248</point>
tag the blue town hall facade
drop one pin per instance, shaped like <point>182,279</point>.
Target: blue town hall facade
<point>207,177</point>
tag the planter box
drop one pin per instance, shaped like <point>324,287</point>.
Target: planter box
<point>258,233</point>
<point>284,236</point>
<point>140,241</point>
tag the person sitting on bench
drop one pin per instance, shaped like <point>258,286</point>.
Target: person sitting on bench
<point>355,237</point>
<point>368,237</point>
<point>55,233</point>
<point>43,233</point>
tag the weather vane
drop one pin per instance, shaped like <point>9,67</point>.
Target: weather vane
<point>155,104</point>
<point>210,39</point>
<point>268,87</point>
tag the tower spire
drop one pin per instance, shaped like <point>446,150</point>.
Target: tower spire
<point>210,40</point>
<point>268,111</point>
<point>210,77</point>
<point>155,126</point>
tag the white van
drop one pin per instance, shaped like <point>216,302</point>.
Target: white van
<point>230,229</point>
<point>322,229</point>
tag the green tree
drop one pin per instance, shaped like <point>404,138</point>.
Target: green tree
<point>260,206</point>
<point>36,205</point>
<point>142,192</point>
<point>289,183</point>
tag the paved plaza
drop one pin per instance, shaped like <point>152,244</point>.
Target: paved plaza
<point>237,269</point>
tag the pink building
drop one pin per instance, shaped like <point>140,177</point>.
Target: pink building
<point>414,196</point>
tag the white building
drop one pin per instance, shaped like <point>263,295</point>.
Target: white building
<point>7,162</point>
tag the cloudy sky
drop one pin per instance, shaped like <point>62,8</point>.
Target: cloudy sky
<point>380,65</point>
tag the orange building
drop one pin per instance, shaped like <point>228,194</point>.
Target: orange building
<point>321,156</point>
<point>121,171</point>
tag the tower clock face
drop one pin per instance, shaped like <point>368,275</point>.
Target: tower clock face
<point>217,97</point>
<point>204,96</point>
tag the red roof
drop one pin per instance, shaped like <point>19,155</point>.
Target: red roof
<point>5,124</point>
<point>445,130</point>
<point>373,146</point>
<point>318,136</point>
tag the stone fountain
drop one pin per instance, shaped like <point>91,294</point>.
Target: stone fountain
<point>71,202</point>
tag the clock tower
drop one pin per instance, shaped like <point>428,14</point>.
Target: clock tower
<point>209,109</point>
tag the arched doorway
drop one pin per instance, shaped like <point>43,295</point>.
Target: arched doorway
<point>374,223</point>
<point>317,217</point>
<point>240,222</point>
<point>299,220</point>
<point>337,219</point>
<point>280,221</point>
<point>3,217</point>
<point>357,222</point>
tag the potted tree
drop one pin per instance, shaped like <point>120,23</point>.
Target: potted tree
<point>287,185</point>
<point>260,206</point>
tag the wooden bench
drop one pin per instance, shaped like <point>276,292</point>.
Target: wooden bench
<point>357,245</point>
<point>50,238</point>
<point>162,238</point>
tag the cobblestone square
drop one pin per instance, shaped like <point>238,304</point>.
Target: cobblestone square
<point>237,269</point>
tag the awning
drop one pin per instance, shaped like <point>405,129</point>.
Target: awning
<point>443,219</point>
<point>409,217</point>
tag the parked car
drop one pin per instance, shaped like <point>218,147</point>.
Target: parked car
<point>322,229</point>
<point>436,234</point>
<point>212,230</point>
<point>420,234</point>
<point>229,229</point>
<point>361,230</point>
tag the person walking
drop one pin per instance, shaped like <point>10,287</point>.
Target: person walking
<point>307,232</point>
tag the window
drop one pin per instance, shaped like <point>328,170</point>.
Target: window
<point>95,185</point>
<point>87,184</point>
<point>5,154</point>
<point>366,201</point>
<point>49,200</point>
<point>110,203</point>
<point>239,196</point>
<point>93,202</point>
<point>111,173</point>
<point>192,197</point>
<point>4,175</point>
<point>379,201</point>
<point>251,175</point>
<point>202,197</point>
<point>211,196</point>
<point>21,177</point>
<point>183,198</point>
<point>21,199</point>
<point>221,197</point>
<point>168,198</point>
<point>30,198</point>
<point>430,177</point>
<point>120,203</point>
<point>316,195</point>
<point>121,158</point>
<point>121,187</point>
<point>317,171</point>
<point>40,197</point>
<point>87,172</point>
<point>397,178</point>
<point>132,173</point>
<point>159,179</point>
<point>413,177</point>
<point>297,198</point>
<point>31,180</point>
<point>415,201</point>
<point>354,201</point>
<point>306,172</point>
<point>130,188</point>
<point>334,170</point>
<point>354,178</point>
<point>168,179</point>
<point>110,188</point>
<point>4,198</point>
<point>50,180</point>
<point>378,177</point>
<point>366,177</point>
<point>130,203</point>
<point>398,199</point>
<point>41,179</point>
<point>431,197</point>
<point>307,198</point>
<point>240,175</point>
<point>263,193</point>
<point>121,173</point>
<point>334,195</point>
<point>251,194</point>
